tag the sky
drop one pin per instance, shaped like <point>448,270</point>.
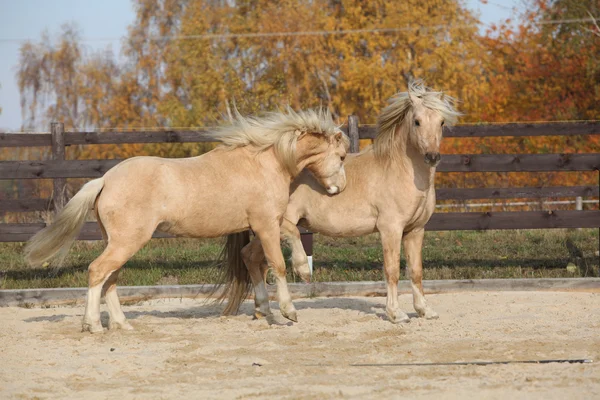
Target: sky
<point>27,19</point>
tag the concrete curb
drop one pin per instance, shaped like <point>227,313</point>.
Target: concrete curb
<point>72,296</point>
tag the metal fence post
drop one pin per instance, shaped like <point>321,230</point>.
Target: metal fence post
<point>59,197</point>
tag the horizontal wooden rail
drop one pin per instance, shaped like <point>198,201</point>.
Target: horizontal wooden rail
<point>365,132</point>
<point>519,162</point>
<point>25,139</point>
<point>55,169</point>
<point>26,205</point>
<point>75,138</point>
<point>438,222</point>
<point>23,232</point>
<point>513,193</point>
<point>514,220</point>
<point>449,163</point>
<point>498,130</point>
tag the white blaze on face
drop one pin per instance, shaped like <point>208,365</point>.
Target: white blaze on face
<point>332,189</point>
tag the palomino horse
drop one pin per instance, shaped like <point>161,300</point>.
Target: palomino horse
<point>390,190</point>
<point>242,184</point>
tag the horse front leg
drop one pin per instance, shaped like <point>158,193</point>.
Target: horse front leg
<point>391,240</point>
<point>254,258</point>
<point>291,235</point>
<point>270,239</point>
<point>413,246</point>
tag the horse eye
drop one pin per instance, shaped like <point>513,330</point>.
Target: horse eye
<point>417,123</point>
<point>442,123</point>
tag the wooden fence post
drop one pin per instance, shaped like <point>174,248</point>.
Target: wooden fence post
<point>353,134</point>
<point>59,197</point>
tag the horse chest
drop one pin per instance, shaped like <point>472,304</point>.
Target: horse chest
<point>421,212</point>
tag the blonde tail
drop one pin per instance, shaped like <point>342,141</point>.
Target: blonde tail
<point>234,276</point>
<point>54,241</point>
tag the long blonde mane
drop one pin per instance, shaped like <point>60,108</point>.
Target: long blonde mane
<point>388,145</point>
<point>279,130</point>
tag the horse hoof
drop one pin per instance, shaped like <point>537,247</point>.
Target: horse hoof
<point>92,328</point>
<point>401,321</point>
<point>114,325</point>
<point>303,271</point>
<point>292,316</point>
<point>428,313</point>
<point>260,315</point>
<point>398,318</point>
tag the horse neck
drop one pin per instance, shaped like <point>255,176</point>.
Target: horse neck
<point>306,150</point>
<point>277,164</point>
<point>412,166</point>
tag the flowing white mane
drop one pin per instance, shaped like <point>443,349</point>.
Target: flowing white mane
<point>278,129</point>
<point>400,106</point>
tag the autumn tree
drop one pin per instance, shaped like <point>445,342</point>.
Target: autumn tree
<point>546,68</point>
<point>542,66</point>
<point>187,62</point>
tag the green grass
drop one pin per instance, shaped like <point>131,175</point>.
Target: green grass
<point>447,255</point>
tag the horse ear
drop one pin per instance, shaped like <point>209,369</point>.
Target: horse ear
<point>410,98</point>
<point>338,136</point>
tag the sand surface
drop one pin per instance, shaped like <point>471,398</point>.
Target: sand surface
<point>184,349</point>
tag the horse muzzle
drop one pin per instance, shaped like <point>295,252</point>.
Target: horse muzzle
<point>432,159</point>
<point>333,189</point>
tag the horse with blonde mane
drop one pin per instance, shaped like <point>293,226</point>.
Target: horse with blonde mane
<point>242,184</point>
<point>390,190</point>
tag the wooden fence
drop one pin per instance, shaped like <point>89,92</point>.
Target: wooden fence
<point>59,169</point>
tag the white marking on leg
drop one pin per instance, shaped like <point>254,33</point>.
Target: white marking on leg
<point>91,319</point>
<point>418,299</point>
<point>285,300</point>
<point>262,298</point>
<point>420,304</point>
<point>310,264</point>
<point>117,318</point>
<point>393,311</point>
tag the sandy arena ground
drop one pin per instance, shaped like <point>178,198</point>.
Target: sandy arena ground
<point>184,349</point>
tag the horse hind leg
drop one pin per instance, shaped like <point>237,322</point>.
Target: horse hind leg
<point>109,289</point>
<point>117,317</point>
<point>254,258</point>
<point>102,276</point>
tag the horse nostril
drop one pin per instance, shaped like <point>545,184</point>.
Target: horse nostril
<point>433,157</point>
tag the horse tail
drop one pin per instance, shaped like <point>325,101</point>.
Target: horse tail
<point>54,241</point>
<point>234,275</point>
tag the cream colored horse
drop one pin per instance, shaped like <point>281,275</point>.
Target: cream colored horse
<point>390,190</point>
<point>243,184</point>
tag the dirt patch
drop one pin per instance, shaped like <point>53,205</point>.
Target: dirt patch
<point>183,348</point>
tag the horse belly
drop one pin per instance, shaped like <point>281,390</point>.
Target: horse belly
<point>210,215</point>
<point>346,224</point>
<point>205,226</point>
